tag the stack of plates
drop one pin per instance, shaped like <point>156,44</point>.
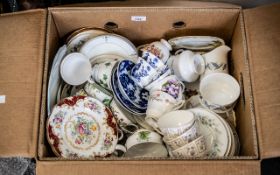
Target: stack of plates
<point>221,138</point>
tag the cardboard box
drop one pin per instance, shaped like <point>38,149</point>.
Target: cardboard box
<point>29,40</point>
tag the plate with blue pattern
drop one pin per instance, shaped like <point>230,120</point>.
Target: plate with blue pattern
<point>123,101</point>
<point>135,94</point>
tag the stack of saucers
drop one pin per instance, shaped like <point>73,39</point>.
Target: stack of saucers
<point>130,96</point>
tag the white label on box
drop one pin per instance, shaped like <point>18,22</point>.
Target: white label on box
<point>138,18</point>
<point>2,99</point>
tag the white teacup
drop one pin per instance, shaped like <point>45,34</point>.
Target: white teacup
<point>196,148</point>
<point>219,92</point>
<point>185,138</point>
<point>142,136</point>
<point>75,69</point>
<point>160,103</point>
<point>102,73</point>
<point>143,73</point>
<point>171,85</point>
<point>175,123</point>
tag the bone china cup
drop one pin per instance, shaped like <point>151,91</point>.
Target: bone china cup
<point>196,148</point>
<point>175,123</point>
<point>219,92</point>
<point>188,136</point>
<point>143,136</point>
<point>75,69</point>
<point>170,85</point>
<point>160,103</point>
<point>142,73</point>
<point>102,73</point>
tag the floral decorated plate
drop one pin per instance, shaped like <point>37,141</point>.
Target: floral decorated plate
<point>136,95</point>
<point>55,79</point>
<point>81,127</point>
<point>81,36</point>
<point>215,132</point>
<point>109,44</point>
<point>196,42</point>
<point>125,103</point>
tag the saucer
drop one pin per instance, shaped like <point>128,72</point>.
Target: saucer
<point>81,127</point>
<point>125,103</point>
<point>214,130</point>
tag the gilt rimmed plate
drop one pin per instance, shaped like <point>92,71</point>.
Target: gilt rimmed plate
<point>55,79</point>
<point>82,36</point>
<point>108,44</point>
<point>214,130</point>
<point>81,127</point>
<point>196,42</point>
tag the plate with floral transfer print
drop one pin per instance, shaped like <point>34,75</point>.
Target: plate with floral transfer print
<point>214,130</point>
<point>81,127</point>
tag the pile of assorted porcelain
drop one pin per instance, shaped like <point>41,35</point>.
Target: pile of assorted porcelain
<point>166,98</point>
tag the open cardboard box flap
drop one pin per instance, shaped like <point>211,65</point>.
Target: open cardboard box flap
<point>263,40</point>
<point>22,41</point>
<point>22,48</point>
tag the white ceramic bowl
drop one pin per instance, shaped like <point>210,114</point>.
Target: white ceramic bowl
<point>75,69</point>
<point>219,92</point>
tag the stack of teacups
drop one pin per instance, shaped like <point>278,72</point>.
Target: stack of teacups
<point>181,134</point>
<point>152,63</point>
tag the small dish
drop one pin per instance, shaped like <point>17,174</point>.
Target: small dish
<point>196,43</point>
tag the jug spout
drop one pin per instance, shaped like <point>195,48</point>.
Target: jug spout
<point>220,51</point>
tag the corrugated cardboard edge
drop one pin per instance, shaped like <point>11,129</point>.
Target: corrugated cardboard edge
<point>267,120</point>
<point>148,167</point>
<point>31,147</point>
<point>154,3</point>
<point>247,71</point>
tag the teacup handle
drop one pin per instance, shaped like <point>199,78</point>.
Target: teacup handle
<point>120,137</point>
<point>153,123</point>
<point>119,148</point>
<point>179,51</point>
<point>179,105</point>
<point>124,128</point>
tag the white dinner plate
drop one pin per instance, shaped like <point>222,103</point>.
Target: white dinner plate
<point>108,44</point>
<point>55,78</point>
